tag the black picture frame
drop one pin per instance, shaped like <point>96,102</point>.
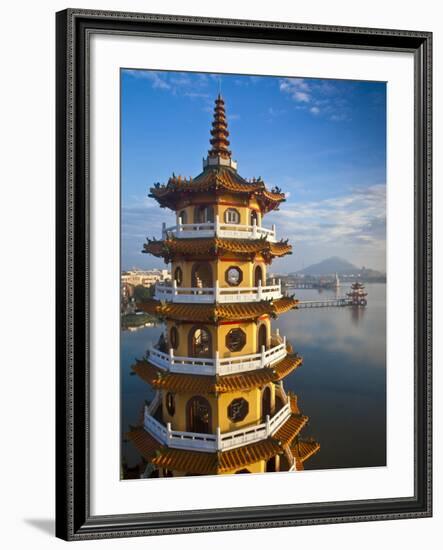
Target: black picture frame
<point>73,518</point>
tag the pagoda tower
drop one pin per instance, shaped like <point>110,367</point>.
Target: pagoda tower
<point>357,295</point>
<point>220,406</point>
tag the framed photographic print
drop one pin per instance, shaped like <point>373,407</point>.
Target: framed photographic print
<point>243,274</point>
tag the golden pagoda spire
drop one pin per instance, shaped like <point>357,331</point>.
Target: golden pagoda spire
<point>219,132</point>
<point>220,405</point>
<point>219,155</point>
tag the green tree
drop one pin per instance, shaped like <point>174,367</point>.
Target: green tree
<point>143,293</point>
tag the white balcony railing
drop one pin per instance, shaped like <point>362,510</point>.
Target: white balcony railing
<point>218,441</point>
<point>217,294</point>
<point>217,365</point>
<point>155,403</point>
<point>218,229</point>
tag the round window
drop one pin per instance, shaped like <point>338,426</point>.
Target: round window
<point>238,409</point>
<point>234,276</point>
<point>235,339</point>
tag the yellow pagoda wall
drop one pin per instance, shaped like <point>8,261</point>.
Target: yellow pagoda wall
<point>254,468</point>
<point>218,337</point>
<point>251,331</point>
<point>219,268</point>
<point>223,203</point>
<point>247,268</point>
<point>219,408</point>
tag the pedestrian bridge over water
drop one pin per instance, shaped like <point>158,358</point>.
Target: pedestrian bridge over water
<point>336,302</point>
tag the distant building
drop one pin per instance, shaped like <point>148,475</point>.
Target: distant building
<point>357,295</point>
<point>146,278</point>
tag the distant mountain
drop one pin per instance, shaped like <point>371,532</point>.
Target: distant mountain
<point>329,267</point>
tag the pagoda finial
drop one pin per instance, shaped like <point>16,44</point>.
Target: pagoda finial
<point>219,132</point>
<point>219,154</point>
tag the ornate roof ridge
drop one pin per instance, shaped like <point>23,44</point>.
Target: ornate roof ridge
<point>202,246</point>
<point>215,313</point>
<point>200,383</point>
<point>202,462</point>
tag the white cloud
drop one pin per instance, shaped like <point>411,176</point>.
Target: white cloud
<point>156,78</point>
<point>318,97</point>
<point>357,219</point>
<point>297,88</point>
<point>302,96</point>
<point>178,83</point>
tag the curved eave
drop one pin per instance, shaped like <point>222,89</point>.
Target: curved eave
<point>203,463</point>
<point>163,380</point>
<point>303,450</point>
<point>176,248</point>
<point>214,313</point>
<point>216,180</point>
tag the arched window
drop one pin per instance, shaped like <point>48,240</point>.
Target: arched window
<point>204,214</point>
<point>178,276</point>
<point>243,471</point>
<point>200,342</point>
<point>198,415</point>
<point>232,216</point>
<point>201,276</point>
<point>254,217</point>
<point>258,275</point>
<point>262,337</point>
<point>173,337</point>
<point>233,275</point>
<point>183,217</point>
<point>170,403</point>
<point>266,403</point>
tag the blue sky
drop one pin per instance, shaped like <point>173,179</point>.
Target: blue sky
<point>322,141</point>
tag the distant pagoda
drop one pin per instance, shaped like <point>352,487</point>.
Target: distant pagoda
<point>220,406</point>
<point>357,295</point>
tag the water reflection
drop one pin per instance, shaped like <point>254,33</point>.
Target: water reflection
<point>341,385</point>
<point>357,314</point>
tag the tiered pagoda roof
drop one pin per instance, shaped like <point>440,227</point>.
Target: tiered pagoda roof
<point>219,175</point>
<point>219,132</point>
<point>212,247</point>
<point>201,463</point>
<point>302,450</point>
<point>357,284</point>
<point>220,182</point>
<point>214,313</point>
<point>204,463</point>
<point>163,380</point>
<point>216,180</point>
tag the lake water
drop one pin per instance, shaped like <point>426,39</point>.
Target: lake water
<point>341,385</point>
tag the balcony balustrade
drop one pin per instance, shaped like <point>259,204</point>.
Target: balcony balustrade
<point>218,229</point>
<point>217,294</point>
<point>218,441</point>
<point>217,365</point>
